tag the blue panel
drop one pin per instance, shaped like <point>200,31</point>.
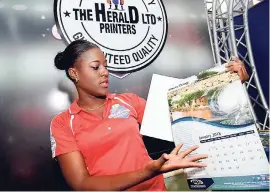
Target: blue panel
<point>258,17</point>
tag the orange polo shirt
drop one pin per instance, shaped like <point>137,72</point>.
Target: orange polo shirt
<point>109,146</point>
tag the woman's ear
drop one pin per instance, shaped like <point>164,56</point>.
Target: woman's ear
<point>73,74</point>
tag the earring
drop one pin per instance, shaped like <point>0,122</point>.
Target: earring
<point>76,80</point>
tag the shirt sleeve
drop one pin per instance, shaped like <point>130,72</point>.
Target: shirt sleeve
<point>62,138</point>
<point>139,105</point>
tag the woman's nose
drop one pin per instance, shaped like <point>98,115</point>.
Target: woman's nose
<point>104,71</point>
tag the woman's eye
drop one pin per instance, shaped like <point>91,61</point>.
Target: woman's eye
<point>95,68</point>
<point>98,67</point>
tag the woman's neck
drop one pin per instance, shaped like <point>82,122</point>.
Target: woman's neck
<point>87,101</point>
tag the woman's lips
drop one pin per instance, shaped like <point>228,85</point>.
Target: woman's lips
<point>105,84</point>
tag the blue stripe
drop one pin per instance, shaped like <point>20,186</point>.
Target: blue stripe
<point>214,123</point>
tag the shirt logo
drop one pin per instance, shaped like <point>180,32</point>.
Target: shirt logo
<point>119,111</point>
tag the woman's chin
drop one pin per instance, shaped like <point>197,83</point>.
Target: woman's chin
<point>103,93</point>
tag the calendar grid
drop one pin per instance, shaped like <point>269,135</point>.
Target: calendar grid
<point>228,136</point>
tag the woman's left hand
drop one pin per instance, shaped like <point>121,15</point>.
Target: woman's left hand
<point>237,66</point>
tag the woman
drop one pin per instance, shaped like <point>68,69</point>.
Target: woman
<point>97,141</point>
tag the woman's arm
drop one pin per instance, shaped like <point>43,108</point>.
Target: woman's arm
<point>77,176</point>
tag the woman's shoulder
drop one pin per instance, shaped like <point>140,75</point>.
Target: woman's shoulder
<point>127,95</point>
<point>61,117</point>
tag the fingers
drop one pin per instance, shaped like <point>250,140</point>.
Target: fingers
<point>234,68</point>
<point>240,69</point>
<point>234,58</point>
<point>230,69</point>
<point>231,65</point>
<point>162,160</point>
<point>176,149</point>
<point>188,151</point>
<point>166,156</point>
<point>195,164</point>
<point>241,73</point>
<point>156,165</point>
<point>198,157</point>
<point>235,61</point>
<point>245,73</point>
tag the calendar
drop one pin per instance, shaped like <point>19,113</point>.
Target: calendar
<point>213,112</point>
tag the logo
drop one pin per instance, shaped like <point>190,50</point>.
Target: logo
<point>196,182</point>
<point>119,111</point>
<point>131,33</point>
<point>203,183</point>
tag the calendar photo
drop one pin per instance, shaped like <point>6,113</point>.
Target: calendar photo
<point>213,112</point>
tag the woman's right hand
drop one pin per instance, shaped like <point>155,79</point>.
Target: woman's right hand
<point>175,160</point>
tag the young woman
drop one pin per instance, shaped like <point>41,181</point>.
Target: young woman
<point>97,140</point>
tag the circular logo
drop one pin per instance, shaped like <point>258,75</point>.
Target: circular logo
<point>131,33</point>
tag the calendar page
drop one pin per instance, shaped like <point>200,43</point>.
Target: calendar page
<point>213,112</point>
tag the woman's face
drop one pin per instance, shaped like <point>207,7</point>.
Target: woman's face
<point>92,73</point>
